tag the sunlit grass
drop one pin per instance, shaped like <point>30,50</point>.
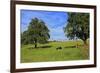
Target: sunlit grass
<point>48,52</point>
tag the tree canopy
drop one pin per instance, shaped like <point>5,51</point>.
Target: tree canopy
<point>77,26</point>
<point>37,32</point>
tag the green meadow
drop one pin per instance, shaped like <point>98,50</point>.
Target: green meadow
<point>49,52</point>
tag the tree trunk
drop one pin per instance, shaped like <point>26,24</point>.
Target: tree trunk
<point>35,43</point>
<point>85,43</point>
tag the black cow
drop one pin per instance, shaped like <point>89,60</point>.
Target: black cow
<point>59,48</point>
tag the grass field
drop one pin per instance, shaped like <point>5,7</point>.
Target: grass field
<point>48,52</point>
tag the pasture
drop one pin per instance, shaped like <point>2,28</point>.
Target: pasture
<point>49,52</point>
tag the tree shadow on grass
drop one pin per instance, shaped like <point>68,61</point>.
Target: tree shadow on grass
<point>40,47</point>
<point>48,46</point>
<point>74,46</point>
<point>70,47</point>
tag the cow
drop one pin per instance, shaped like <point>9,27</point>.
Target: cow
<point>59,48</point>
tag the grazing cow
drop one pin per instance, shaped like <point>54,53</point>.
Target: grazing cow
<point>59,48</point>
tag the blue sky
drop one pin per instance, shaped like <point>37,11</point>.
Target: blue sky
<point>55,21</point>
